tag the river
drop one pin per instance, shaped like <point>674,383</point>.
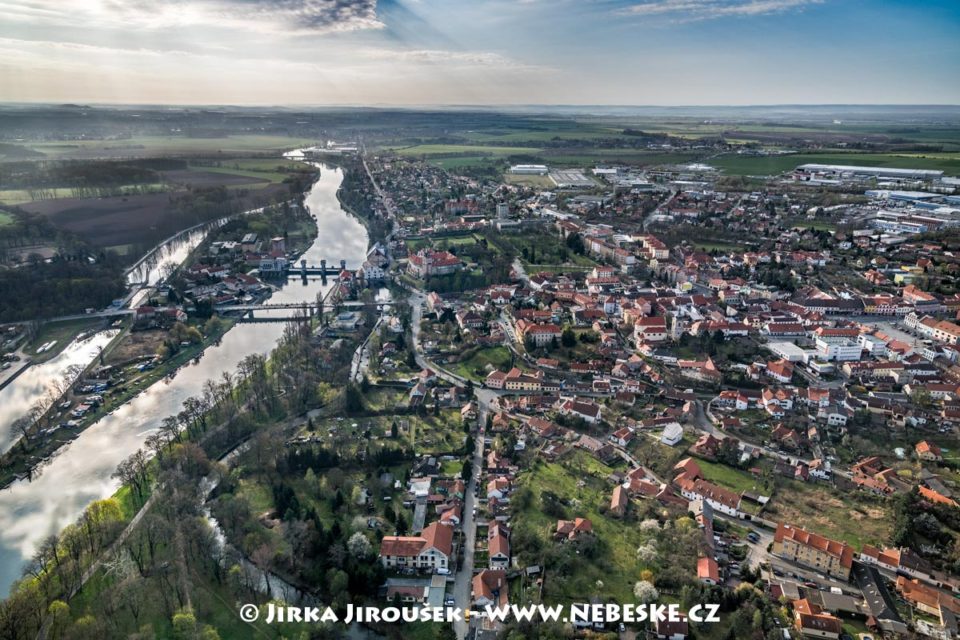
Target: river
<point>39,380</point>
<point>81,471</point>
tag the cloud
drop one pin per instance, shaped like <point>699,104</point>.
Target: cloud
<point>692,10</point>
<point>292,17</point>
<point>447,57</point>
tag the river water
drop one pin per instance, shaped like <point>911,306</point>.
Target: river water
<point>81,472</point>
<point>40,380</point>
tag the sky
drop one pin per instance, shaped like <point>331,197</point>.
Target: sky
<point>480,52</point>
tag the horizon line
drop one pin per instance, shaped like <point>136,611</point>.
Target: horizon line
<point>450,105</point>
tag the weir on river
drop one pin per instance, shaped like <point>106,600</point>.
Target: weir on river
<point>81,472</point>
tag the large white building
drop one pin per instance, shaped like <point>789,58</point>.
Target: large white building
<point>841,351</point>
<point>873,172</point>
<point>529,169</point>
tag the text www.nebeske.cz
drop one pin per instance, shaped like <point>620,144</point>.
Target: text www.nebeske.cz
<point>575,613</point>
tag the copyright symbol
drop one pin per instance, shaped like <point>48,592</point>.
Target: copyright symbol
<point>249,612</point>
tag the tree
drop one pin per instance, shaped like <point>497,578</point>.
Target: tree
<point>575,243</point>
<point>645,592</point>
<point>184,625</point>
<point>358,545</point>
<point>647,553</point>
<point>59,612</point>
<point>353,399</point>
<point>568,338</point>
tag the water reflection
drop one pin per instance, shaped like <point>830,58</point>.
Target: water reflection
<point>39,380</point>
<point>81,472</point>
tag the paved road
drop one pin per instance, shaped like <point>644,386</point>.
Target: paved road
<point>704,424</point>
<point>361,357</point>
<point>463,578</point>
<point>463,581</point>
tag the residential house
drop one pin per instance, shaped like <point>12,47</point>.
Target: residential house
<point>619,501</point>
<point>573,529</point>
<point>812,550</point>
<point>490,588</point>
<point>928,452</point>
<point>812,622</point>
<point>429,550</point>
<point>707,571</point>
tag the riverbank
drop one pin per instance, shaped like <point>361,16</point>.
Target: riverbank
<point>26,455</point>
<point>235,413</point>
<point>82,473</point>
<point>20,463</point>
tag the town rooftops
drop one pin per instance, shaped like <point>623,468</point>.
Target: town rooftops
<point>840,550</point>
<point>434,536</point>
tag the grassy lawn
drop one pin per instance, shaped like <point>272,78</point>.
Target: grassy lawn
<point>476,366</point>
<point>659,457</point>
<point>540,182</point>
<point>62,332</point>
<point>819,225</point>
<point>855,518</point>
<point>6,218</point>
<point>722,247</point>
<point>728,477</point>
<point>580,480</point>
<point>451,467</point>
<point>380,398</point>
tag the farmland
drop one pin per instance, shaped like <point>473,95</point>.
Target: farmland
<point>146,146</point>
<point>772,165</point>
<point>130,219</point>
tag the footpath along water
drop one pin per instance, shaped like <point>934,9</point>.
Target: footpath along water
<point>81,473</point>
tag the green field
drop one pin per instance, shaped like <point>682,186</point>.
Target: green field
<point>266,169</point>
<point>21,196</point>
<point>581,480</point>
<point>62,332</point>
<point>772,165</point>
<point>733,479</point>
<point>475,367</point>
<point>530,181</point>
<point>639,157</point>
<point>449,149</point>
<point>6,218</point>
<point>460,162</point>
<point>142,145</point>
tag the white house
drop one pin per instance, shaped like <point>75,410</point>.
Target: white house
<point>430,550</point>
<point>672,434</point>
